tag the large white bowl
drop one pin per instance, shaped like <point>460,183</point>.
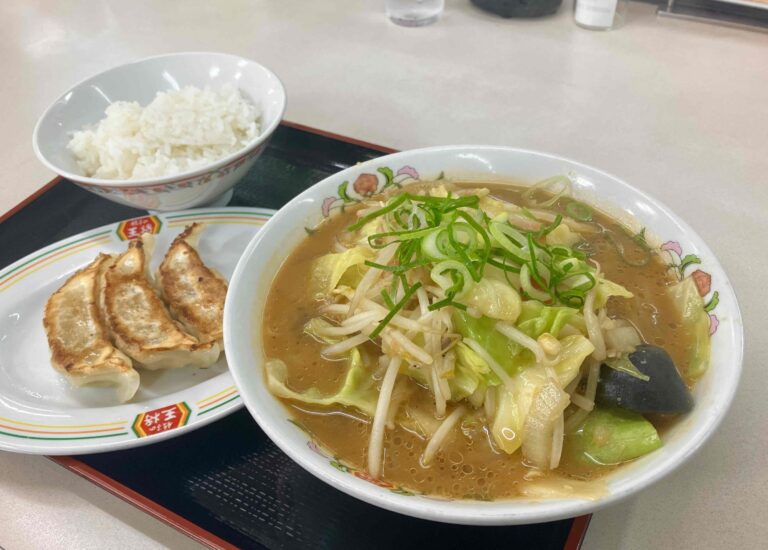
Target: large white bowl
<point>84,104</point>
<point>261,260</point>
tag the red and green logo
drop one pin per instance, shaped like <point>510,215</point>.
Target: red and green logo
<point>161,420</point>
<point>135,228</point>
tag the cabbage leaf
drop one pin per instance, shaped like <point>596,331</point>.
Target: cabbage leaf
<point>358,390</point>
<point>695,320</point>
<point>483,331</point>
<point>606,289</point>
<point>493,207</point>
<point>471,372</point>
<point>493,298</point>
<point>536,319</point>
<point>563,235</point>
<point>346,268</point>
<point>513,403</point>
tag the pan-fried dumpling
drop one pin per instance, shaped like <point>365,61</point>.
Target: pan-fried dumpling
<point>138,320</point>
<point>79,340</point>
<point>193,292</point>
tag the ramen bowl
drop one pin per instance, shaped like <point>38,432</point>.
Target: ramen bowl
<point>84,105</point>
<point>262,259</point>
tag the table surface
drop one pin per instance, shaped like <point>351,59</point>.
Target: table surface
<point>677,108</point>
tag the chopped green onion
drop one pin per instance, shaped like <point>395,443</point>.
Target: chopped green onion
<point>445,303</point>
<point>501,233</point>
<point>387,299</point>
<point>544,185</point>
<point>619,247</point>
<point>547,229</point>
<point>533,263</point>
<point>397,307</point>
<point>503,265</point>
<point>579,211</point>
<point>402,235</point>
<point>400,199</point>
<point>463,257</point>
<point>486,252</point>
<point>457,239</point>
<point>430,248</point>
<point>400,268</point>
<point>525,282</point>
<point>448,204</point>
<point>447,283</point>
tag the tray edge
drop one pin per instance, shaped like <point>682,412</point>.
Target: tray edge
<point>143,503</point>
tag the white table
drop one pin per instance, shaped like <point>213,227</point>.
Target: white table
<point>677,108</point>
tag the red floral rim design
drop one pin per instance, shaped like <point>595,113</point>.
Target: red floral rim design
<point>680,265</point>
<point>367,185</point>
<point>186,183</point>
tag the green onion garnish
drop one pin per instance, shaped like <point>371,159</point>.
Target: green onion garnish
<point>457,240</point>
<point>579,211</point>
<point>399,268</point>
<point>397,201</point>
<point>387,299</point>
<point>397,307</point>
<point>546,230</point>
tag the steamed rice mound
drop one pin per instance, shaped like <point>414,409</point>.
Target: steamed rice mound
<point>179,131</point>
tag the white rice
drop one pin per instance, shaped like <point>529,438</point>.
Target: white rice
<point>179,131</point>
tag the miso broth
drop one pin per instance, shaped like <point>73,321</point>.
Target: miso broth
<point>469,464</point>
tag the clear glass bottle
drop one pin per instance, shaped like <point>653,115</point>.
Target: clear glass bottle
<point>414,13</point>
<point>599,15</point>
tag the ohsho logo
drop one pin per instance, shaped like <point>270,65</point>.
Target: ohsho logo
<point>161,420</point>
<point>135,228</point>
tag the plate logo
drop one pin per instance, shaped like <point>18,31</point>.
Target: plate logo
<point>133,229</point>
<point>161,420</point>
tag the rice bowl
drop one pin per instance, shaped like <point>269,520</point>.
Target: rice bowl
<point>85,103</point>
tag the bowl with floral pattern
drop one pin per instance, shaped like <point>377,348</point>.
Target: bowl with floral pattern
<point>84,105</point>
<point>688,258</point>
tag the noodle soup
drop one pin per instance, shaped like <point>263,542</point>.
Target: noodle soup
<point>483,342</point>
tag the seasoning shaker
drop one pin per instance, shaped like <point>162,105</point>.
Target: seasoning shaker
<point>599,14</point>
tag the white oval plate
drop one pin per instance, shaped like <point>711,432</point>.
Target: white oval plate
<point>680,247</point>
<point>40,413</point>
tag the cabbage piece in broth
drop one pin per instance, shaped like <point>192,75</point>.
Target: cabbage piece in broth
<point>696,322</point>
<point>358,390</point>
<point>514,403</point>
<point>343,267</point>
